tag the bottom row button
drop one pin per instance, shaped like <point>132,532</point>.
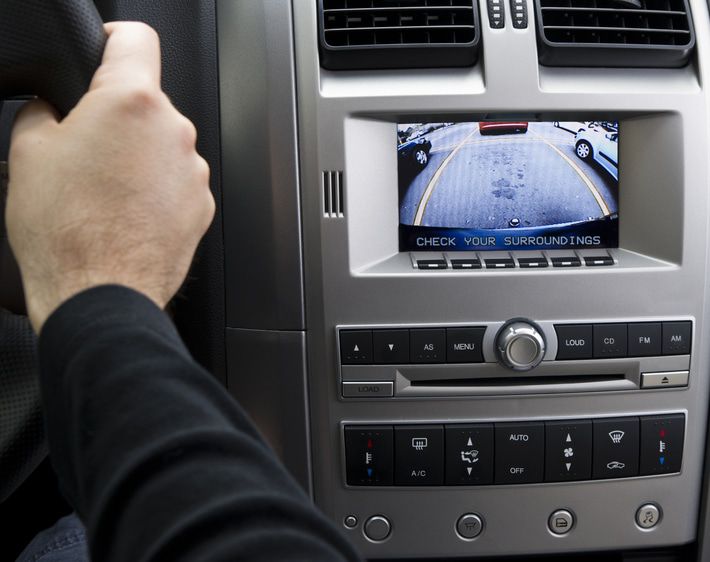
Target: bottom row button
<point>648,516</point>
<point>377,528</point>
<point>469,526</point>
<point>561,522</point>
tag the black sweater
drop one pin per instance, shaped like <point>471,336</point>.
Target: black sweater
<point>154,455</point>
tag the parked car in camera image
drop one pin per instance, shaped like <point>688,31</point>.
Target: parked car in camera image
<point>502,127</point>
<point>414,154</point>
<point>573,127</point>
<point>600,147</point>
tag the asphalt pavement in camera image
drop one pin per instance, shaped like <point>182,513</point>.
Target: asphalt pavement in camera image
<point>487,181</point>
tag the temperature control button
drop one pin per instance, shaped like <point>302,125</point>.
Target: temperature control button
<point>662,444</point>
<point>369,455</point>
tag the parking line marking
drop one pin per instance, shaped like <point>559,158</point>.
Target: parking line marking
<point>419,216</point>
<point>592,188</point>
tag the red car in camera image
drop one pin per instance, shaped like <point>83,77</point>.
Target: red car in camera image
<point>502,127</point>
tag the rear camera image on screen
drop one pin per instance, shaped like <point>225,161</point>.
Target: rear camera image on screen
<point>508,185</point>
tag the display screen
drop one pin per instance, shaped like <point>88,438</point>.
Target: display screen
<point>512,185</point>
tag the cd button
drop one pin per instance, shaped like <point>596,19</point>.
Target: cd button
<point>609,340</point>
<point>574,341</point>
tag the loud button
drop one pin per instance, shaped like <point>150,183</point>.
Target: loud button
<point>574,341</point>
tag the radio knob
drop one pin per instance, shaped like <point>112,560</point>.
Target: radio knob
<point>521,346</point>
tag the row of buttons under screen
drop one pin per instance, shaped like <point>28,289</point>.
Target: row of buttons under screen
<point>513,453</point>
<point>510,262</point>
<point>464,345</point>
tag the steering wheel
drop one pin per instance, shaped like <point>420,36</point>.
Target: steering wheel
<point>50,49</point>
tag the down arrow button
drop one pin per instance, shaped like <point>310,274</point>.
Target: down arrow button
<point>391,346</point>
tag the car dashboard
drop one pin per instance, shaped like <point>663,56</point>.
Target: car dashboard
<point>459,270</point>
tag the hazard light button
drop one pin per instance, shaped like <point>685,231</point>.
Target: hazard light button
<point>568,450</point>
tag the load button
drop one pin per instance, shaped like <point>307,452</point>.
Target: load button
<point>574,341</point>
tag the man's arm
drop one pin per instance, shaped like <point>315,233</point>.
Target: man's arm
<point>104,212</point>
<point>155,456</point>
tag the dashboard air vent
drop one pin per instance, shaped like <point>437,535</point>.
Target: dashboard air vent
<point>370,34</point>
<point>614,33</point>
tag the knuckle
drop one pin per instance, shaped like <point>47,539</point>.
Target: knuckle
<point>146,32</point>
<point>188,132</point>
<point>139,99</point>
<point>203,172</point>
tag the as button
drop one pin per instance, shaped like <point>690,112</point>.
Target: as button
<point>427,345</point>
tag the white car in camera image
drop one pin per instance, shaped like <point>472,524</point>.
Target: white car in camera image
<point>602,147</point>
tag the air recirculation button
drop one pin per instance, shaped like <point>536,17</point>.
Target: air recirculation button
<point>520,345</point>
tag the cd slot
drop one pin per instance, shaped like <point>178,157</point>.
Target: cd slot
<point>518,381</point>
<point>491,379</point>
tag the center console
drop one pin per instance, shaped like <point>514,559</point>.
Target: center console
<point>505,275</point>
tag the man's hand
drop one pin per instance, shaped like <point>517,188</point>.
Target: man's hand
<point>115,193</point>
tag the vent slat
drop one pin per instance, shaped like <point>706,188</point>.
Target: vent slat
<point>658,33</point>
<point>612,11</point>
<point>333,196</point>
<point>618,29</point>
<point>398,33</point>
<point>403,28</point>
<point>396,9</point>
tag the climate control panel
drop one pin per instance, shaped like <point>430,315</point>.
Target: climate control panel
<point>519,452</point>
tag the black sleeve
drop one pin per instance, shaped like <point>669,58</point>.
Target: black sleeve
<point>155,456</point>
